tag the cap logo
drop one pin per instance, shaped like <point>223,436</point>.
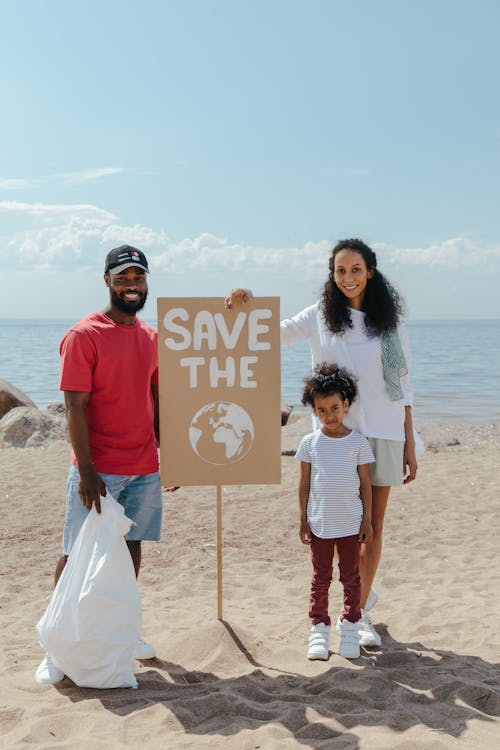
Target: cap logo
<point>128,255</point>
<point>122,257</point>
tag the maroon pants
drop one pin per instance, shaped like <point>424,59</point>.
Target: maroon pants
<point>322,560</point>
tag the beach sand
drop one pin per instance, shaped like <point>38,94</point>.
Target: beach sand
<point>245,682</point>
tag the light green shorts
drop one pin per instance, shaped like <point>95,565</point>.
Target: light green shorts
<point>387,471</point>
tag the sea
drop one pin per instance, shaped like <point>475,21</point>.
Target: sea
<point>455,366</point>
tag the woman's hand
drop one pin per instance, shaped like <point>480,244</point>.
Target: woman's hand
<point>237,296</point>
<point>409,463</point>
<point>409,457</point>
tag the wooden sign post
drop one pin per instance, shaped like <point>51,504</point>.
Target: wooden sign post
<point>219,552</point>
<point>219,385</point>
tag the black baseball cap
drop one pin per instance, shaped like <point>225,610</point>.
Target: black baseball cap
<point>123,257</point>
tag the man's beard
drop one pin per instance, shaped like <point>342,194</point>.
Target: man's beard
<point>128,307</point>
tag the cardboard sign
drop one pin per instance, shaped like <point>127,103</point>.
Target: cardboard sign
<point>219,384</point>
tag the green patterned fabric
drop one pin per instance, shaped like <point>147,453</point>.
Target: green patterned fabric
<point>393,363</point>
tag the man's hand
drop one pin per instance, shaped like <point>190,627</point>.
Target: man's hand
<point>170,489</point>
<point>237,296</point>
<point>91,488</point>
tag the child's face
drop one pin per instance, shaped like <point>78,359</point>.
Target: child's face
<point>330,411</point>
<point>351,276</point>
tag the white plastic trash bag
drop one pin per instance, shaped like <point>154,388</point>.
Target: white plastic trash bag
<point>93,620</point>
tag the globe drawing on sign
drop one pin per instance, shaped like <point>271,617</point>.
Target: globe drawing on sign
<point>221,433</point>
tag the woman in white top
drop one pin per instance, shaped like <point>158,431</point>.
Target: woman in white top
<point>357,324</point>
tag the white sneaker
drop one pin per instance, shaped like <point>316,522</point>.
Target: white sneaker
<point>349,639</point>
<point>144,650</point>
<point>368,636</point>
<point>371,600</point>
<point>47,672</point>
<point>319,642</point>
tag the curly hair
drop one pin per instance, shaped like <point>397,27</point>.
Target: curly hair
<point>382,304</point>
<point>328,379</point>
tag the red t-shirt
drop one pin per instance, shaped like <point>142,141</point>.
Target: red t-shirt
<point>116,364</point>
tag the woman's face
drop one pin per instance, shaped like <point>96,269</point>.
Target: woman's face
<point>351,276</point>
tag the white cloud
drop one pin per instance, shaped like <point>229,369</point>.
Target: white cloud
<point>208,252</point>
<point>452,253</point>
<point>51,236</point>
<point>64,178</point>
<point>55,212</point>
<point>58,237</point>
<point>67,243</point>
<point>86,175</point>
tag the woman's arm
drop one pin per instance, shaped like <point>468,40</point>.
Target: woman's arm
<point>365,493</point>
<point>300,327</point>
<point>409,459</point>
<point>293,330</point>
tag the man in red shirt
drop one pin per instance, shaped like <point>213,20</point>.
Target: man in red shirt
<point>109,375</point>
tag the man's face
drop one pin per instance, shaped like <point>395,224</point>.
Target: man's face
<point>128,289</point>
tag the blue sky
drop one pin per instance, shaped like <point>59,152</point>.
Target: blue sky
<point>235,142</point>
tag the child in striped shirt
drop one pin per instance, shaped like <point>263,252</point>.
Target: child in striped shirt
<point>335,506</point>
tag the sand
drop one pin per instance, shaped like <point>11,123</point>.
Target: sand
<point>245,682</point>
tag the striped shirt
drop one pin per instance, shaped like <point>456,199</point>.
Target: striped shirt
<point>334,507</point>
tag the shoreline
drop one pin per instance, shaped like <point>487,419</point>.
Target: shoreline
<point>298,411</point>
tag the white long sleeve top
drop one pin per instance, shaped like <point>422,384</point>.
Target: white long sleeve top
<point>372,413</point>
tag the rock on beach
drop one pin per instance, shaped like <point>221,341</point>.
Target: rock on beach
<point>10,397</point>
<point>23,424</point>
<point>28,427</point>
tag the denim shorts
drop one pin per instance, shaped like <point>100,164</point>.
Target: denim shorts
<point>140,496</point>
<point>387,471</point>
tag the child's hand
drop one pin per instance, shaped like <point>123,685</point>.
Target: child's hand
<point>365,531</point>
<point>305,533</point>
